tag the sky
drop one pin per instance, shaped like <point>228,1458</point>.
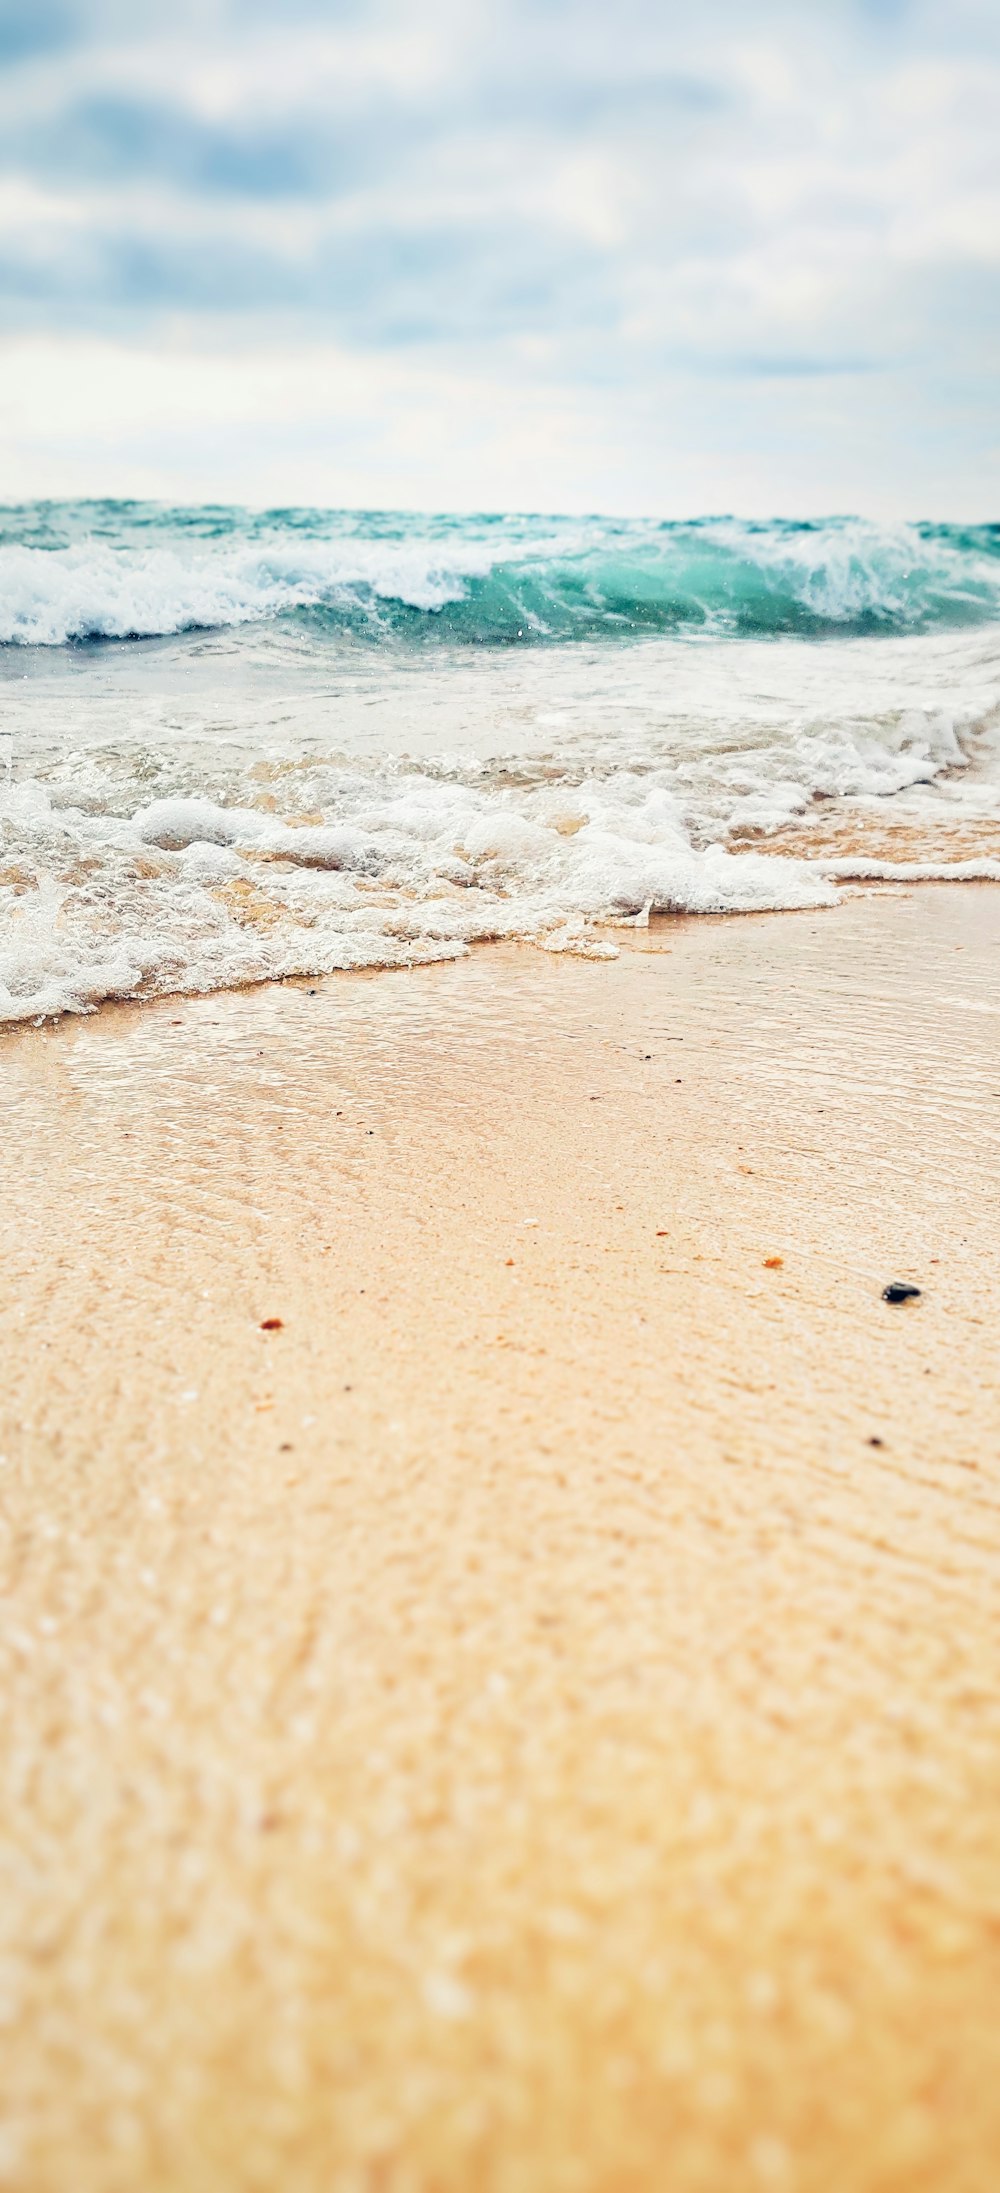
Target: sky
<point>503,254</point>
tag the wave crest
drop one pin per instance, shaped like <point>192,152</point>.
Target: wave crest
<point>143,575</point>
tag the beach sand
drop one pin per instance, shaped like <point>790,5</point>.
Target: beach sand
<point>530,1723</point>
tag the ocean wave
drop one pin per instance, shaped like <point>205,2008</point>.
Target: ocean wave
<point>142,575</point>
<point>187,820</point>
<point>240,870</point>
<point>184,894</point>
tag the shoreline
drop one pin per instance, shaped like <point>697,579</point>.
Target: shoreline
<point>529,1718</point>
<point>853,877</point>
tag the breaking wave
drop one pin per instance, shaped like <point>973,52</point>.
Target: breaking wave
<point>78,573</point>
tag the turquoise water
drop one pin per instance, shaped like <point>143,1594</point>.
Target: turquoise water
<point>77,572</point>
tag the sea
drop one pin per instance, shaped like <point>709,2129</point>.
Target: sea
<point>241,745</point>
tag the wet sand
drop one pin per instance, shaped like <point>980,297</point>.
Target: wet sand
<point>530,1721</point>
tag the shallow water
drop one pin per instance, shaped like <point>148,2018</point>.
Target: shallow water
<point>238,747</point>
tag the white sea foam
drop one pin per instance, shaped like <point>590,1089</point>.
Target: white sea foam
<point>159,839</point>
<point>187,895</point>
<point>857,869</point>
<point>86,591</point>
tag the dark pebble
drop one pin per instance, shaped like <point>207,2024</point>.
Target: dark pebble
<point>899,1290</point>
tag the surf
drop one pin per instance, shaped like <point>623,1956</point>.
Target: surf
<point>76,575</point>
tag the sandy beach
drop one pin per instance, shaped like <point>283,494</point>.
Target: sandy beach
<point>527,1721</point>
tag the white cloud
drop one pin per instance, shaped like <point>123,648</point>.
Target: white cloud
<point>785,217</point>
